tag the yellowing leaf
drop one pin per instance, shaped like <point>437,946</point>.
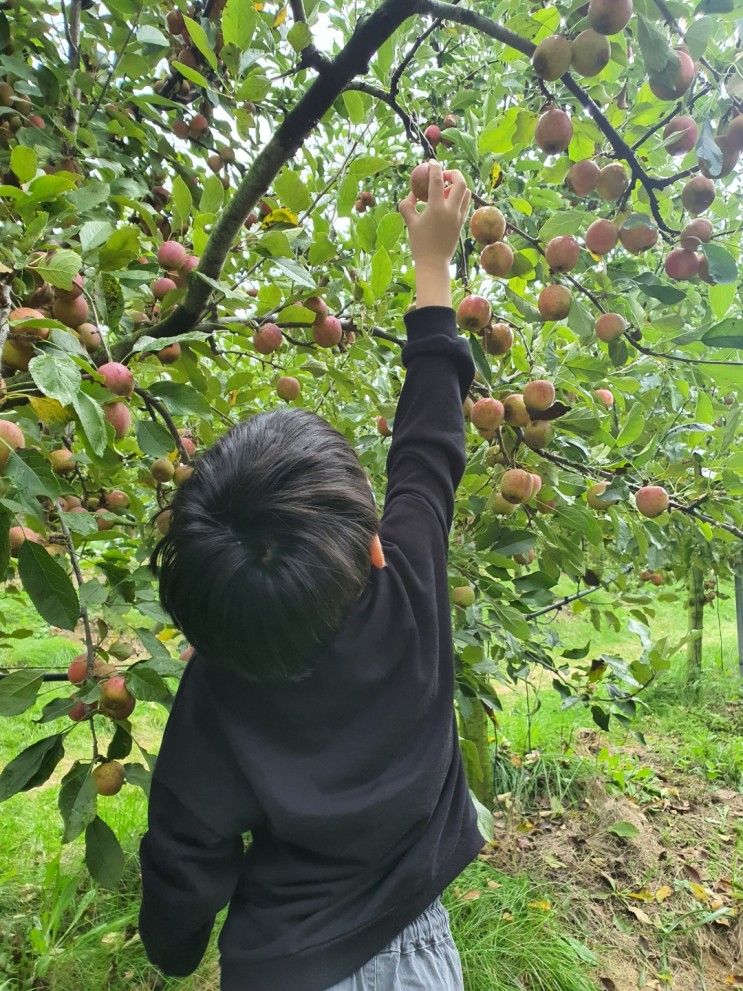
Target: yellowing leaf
<point>471,896</point>
<point>640,915</point>
<point>496,175</point>
<point>281,216</point>
<point>506,916</point>
<point>541,904</point>
<point>699,892</point>
<point>50,411</point>
<point>494,885</point>
<point>665,891</point>
<point>642,895</point>
<point>280,18</point>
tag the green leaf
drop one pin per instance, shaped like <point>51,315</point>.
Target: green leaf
<point>180,398</point>
<point>190,74</point>
<point>94,234</point>
<point>32,766</point>
<point>120,745</point>
<point>147,685</point>
<point>212,195</point>
<point>726,334</point>
<point>296,272</point>
<point>5,523</point>
<point>381,273</point>
<point>354,106</point>
<point>563,222</point>
<point>48,586</point>
<point>154,440</point>
<point>182,202</point>
<point>481,360</point>
<point>367,165</point>
<point>104,857</point>
<point>653,287</point>
<point>722,265</point>
<point>120,249</point>
<point>92,421</point>
<point>56,375</point>
<point>138,775</point>
<point>292,191</point>
<point>656,51</point>
<point>32,474</point>
<point>23,162</point>
<point>59,268</point>
<point>18,691</point>
<point>76,800</point>
<point>390,230</point>
<point>238,23</point>
<point>626,829</point>
<point>347,194</point>
<point>697,36</point>
<point>633,426</point>
<point>299,36</point>
<point>199,38</point>
<point>148,34</point>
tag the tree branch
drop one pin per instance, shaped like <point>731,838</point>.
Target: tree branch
<point>676,357</point>
<point>153,403</point>
<point>575,596</point>
<point>412,130</point>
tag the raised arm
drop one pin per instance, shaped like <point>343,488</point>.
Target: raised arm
<point>427,456</point>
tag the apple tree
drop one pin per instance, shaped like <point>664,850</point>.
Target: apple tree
<point>200,222</point>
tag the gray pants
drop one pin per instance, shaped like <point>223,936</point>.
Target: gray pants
<point>422,957</point>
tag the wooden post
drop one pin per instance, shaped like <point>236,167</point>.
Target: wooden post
<point>739,614</point>
<point>695,621</point>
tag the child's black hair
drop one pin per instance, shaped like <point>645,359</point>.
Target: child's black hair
<point>268,545</point>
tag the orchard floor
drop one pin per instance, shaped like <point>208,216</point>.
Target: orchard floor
<point>617,866</point>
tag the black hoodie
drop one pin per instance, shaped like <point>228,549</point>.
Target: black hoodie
<point>350,781</point>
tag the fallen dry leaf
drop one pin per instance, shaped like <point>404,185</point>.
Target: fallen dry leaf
<point>665,891</point>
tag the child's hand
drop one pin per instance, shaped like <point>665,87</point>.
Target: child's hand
<point>434,232</point>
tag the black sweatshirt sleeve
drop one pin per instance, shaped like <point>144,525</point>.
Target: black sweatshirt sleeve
<point>192,852</point>
<point>426,460</point>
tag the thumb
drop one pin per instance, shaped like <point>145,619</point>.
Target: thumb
<point>407,207</point>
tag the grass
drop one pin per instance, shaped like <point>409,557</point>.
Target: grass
<point>60,932</point>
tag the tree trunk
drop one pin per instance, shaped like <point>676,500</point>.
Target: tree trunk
<point>739,614</point>
<point>478,759</point>
<point>695,616</point>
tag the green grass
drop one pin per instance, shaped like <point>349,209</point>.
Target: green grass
<point>56,927</point>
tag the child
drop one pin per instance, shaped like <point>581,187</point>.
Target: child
<point>317,710</point>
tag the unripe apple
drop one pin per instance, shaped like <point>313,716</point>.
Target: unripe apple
<point>198,126</point>
<point>20,329</point>
<point>610,327</point>
<point>80,710</point>
<point>537,480</point>
<point>730,155</point>
<point>186,654</point>
<point>675,78</point>
<point>89,336</point>
<point>682,265</point>
<point>651,500</point>
<point>162,521</point>
<point>657,578</point>
<point>734,132</point>
<point>539,395</point>
<point>526,559</point>
<point>69,503</point>
<point>162,286</point>
<point>562,253</point>
<point>605,397</point>
<point>554,131</point>
<point>501,506</point>
<point>180,129</point>
<point>601,237</point>
<point>116,499</point>
<point>18,535</point>
<point>182,474</point>
<point>267,338</point>
<point>638,233</point>
<point>487,225</point>
<point>487,414</point>
<point>516,485</point>
<point>16,354</point>
<point>12,438</point>
<point>582,177</point>
<point>594,494</point>
<point>497,338</point>
<point>62,461</point>
<point>463,596</point>
<point>497,259</point>
<point>538,434</point>
<point>433,134</point>
<point>419,182</point>
<point>383,428</point>
<point>170,354</point>
<point>162,470</point>
<point>108,778</point>
<point>75,290</point>
<point>609,16</point>
<point>120,418</point>
<point>327,332</point>
<point>317,305</point>
<point>288,388</point>
<point>77,672</point>
<point>171,255</point>
<point>70,311</point>
<point>473,313</point>
<point>554,302</point>
<point>515,410</point>
<point>117,378</point>
<point>684,133</point>
<point>552,57</point>
<point>191,263</point>
<point>101,520</point>
<point>175,22</point>
<point>613,180</point>
<point>187,442</point>
<point>695,233</point>
<point>35,120</point>
<point>591,53</point>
